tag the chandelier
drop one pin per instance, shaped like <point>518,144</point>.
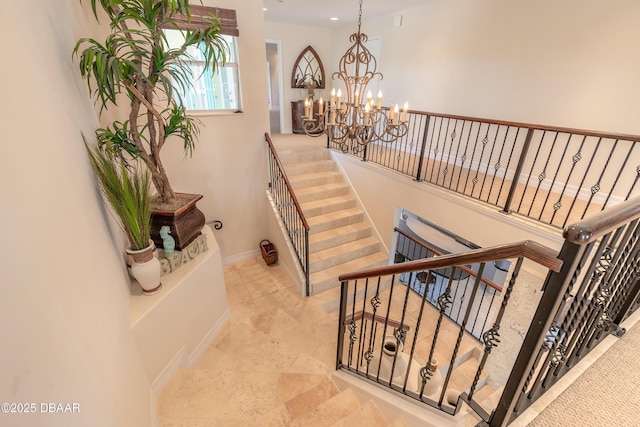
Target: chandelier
<point>353,123</point>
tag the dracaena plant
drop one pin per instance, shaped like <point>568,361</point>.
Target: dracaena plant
<point>127,189</point>
<point>136,61</point>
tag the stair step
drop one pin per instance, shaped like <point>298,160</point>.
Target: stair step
<point>314,178</point>
<point>483,393</point>
<point>367,415</point>
<point>294,156</point>
<point>336,219</point>
<point>330,411</point>
<point>463,375</point>
<point>337,236</point>
<point>331,204</point>
<point>311,398</point>
<point>325,279</point>
<point>341,254</point>
<point>319,192</point>
<point>300,168</point>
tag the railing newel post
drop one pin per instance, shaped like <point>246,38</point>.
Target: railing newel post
<point>516,175</point>
<point>342,317</point>
<point>423,148</point>
<point>556,286</point>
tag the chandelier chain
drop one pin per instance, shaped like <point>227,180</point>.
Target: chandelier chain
<point>360,17</point>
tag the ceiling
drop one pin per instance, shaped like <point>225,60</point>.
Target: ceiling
<point>319,12</point>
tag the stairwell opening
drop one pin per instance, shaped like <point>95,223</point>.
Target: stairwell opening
<point>418,238</point>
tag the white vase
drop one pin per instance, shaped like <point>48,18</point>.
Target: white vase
<point>451,397</point>
<point>392,350</point>
<point>145,268</point>
<point>433,383</point>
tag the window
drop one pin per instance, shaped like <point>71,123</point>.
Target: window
<point>210,91</point>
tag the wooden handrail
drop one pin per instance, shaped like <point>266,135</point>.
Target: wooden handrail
<point>528,249</point>
<point>305,224</point>
<point>380,319</point>
<point>594,227</point>
<point>461,267</point>
<point>414,240</point>
<point>585,132</point>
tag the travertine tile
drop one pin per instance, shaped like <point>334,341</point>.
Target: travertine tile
<point>291,385</point>
<point>311,398</point>
<point>187,422</point>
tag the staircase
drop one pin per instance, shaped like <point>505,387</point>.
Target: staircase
<point>326,405</point>
<point>340,239</point>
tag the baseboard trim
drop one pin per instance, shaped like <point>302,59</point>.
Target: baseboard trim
<point>183,360</point>
<point>241,257</point>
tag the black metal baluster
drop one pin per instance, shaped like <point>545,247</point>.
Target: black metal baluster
<point>497,166</point>
<point>506,168</point>
<point>473,154</point>
<point>542,175</point>
<point>486,172</point>
<point>530,174</point>
<point>516,176</point>
<point>423,147</point>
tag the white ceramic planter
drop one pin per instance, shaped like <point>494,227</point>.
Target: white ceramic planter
<point>433,384</point>
<point>145,268</point>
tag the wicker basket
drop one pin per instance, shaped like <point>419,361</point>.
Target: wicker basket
<point>269,252</point>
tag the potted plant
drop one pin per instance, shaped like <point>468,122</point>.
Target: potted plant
<point>135,61</point>
<point>127,189</point>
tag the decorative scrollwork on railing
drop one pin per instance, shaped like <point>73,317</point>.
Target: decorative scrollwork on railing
<point>400,334</point>
<point>375,302</point>
<point>425,375</point>
<point>551,336</point>
<point>558,357</point>
<point>352,330</point>
<point>445,301</point>
<point>368,356</point>
<point>491,338</point>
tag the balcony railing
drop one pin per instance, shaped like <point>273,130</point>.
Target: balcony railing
<point>432,285</point>
<point>550,174</point>
<point>390,336</point>
<point>289,209</point>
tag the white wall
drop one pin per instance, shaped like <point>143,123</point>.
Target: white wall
<point>228,166</point>
<point>64,295</point>
<point>295,38</point>
<point>383,193</point>
<point>568,63</point>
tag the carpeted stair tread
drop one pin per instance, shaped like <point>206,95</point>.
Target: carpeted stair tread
<point>336,219</point>
<point>314,178</point>
<point>338,236</point>
<point>328,278</point>
<point>342,254</point>
<point>319,192</point>
<point>328,205</point>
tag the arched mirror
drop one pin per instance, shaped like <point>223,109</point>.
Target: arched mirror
<point>308,71</point>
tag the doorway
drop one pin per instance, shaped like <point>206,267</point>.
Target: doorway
<point>274,75</point>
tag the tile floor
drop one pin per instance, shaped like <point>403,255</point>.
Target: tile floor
<point>271,363</point>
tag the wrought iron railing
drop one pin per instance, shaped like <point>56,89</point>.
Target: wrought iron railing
<point>390,336</point>
<point>290,211</point>
<point>550,174</point>
<point>597,288</point>
<point>432,286</point>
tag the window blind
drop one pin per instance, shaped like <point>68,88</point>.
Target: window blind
<point>199,15</point>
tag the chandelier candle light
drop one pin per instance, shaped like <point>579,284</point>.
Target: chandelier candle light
<point>355,123</point>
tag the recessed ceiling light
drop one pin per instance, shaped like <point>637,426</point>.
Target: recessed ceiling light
<point>264,9</point>
<point>334,19</point>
